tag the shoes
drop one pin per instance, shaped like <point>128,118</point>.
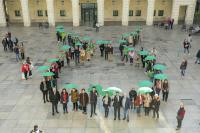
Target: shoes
<point>119,119</point>
<point>90,115</point>
<point>95,113</point>
<point>53,114</point>
<point>177,128</point>
<point>114,119</point>
<point>124,118</point>
<point>57,112</point>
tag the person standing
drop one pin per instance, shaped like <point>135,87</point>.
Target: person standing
<point>198,57</point>
<point>29,62</point>
<point>189,40</point>
<point>4,43</point>
<point>156,105</point>
<point>68,56</point>
<point>117,103</point>
<point>131,55</point>
<point>97,27</point>
<point>125,51</point>
<point>84,99</point>
<point>54,99</point>
<point>101,47</point>
<point>22,51</point>
<point>126,104</point>
<point>74,99</point>
<point>186,46</point>
<point>64,98</point>
<point>172,23</point>
<point>147,101</point>
<point>165,90</point>
<point>82,56</point>
<point>77,56</point>
<point>183,67</point>
<point>130,40</point>
<point>180,116</point>
<point>44,90</point>
<point>16,50</point>
<point>93,101</point>
<point>138,103</point>
<point>132,96</point>
<point>106,52</point>
<point>110,53</point>
<point>121,48</point>
<point>25,70</point>
<point>106,104</point>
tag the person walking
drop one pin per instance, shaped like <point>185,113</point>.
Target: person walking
<point>189,40</point>
<point>44,90</point>
<point>110,53</point>
<point>84,100</point>
<point>93,101</point>
<point>165,90</point>
<point>106,52</point>
<point>25,70</point>
<point>54,99</point>
<point>82,56</point>
<point>138,103</point>
<point>64,98</point>
<point>97,27</point>
<point>16,50</point>
<point>126,104</point>
<point>131,55</point>
<point>77,56</point>
<point>198,57</point>
<point>36,130</point>
<point>68,57</point>
<point>125,51</point>
<point>117,103</point>
<point>30,63</point>
<point>186,46</point>
<point>121,48</point>
<point>147,101</point>
<point>5,45</point>
<point>74,99</point>
<point>183,67</point>
<point>22,51</point>
<point>130,40</point>
<point>132,96</point>
<point>180,116</point>
<point>156,105</point>
<point>106,104</point>
<point>101,47</point>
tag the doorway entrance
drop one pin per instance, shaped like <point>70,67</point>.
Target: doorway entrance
<point>88,14</point>
<point>182,14</point>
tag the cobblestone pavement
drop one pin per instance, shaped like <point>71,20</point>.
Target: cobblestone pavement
<point>21,104</point>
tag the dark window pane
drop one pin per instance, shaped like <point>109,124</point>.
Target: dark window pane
<point>138,13</point>
<point>62,13</point>
<point>39,13</point>
<point>17,13</point>
<point>46,13</point>
<point>115,12</point>
<point>154,13</point>
<point>130,12</point>
<point>161,13</point>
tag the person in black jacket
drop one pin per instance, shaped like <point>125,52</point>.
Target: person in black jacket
<point>126,104</point>
<point>117,105</point>
<point>77,56</point>
<point>44,90</point>
<point>93,101</point>
<point>106,103</point>
<point>101,47</point>
<point>121,48</point>
<point>132,96</point>
<point>106,52</point>
<point>4,43</point>
<point>198,57</point>
<point>54,99</point>
<point>156,105</point>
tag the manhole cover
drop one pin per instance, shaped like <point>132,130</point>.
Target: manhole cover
<point>188,101</point>
<point>39,64</point>
<point>120,64</point>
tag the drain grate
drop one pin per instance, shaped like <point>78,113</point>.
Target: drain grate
<point>39,64</point>
<point>188,101</point>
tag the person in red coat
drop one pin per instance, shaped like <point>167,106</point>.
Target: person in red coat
<point>25,69</point>
<point>180,116</point>
<point>138,103</point>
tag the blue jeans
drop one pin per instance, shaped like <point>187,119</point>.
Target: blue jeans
<point>17,57</point>
<point>126,114</point>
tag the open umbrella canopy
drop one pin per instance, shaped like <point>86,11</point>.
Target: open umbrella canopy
<point>133,33</point>
<point>125,35</point>
<point>59,27</point>
<point>150,57</point>
<point>143,90</point>
<point>110,93</point>
<point>107,42</point>
<point>45,74</point>
<point>122,41</point>
<point>159,67</point>
<point>160,76</point>
<point>114,89</point>
<point>145,83</point>
<point>51,60</point>
<point>65,47</point>
<point>70,86</point>
<point>43,68</point>
<point>60,30</point>
<point>131,49</point>
<point>78,44</point>
<point>143,52</point>
<point>99,42</point>
<point>98,88</point>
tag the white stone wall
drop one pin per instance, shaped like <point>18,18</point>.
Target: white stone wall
<point>150,11</point>
<point>125,12</point>
<point>25,13</point>
<point>75,12</point>
<point>2,14</point>
<point>100,8</point>
<point>50,10</point>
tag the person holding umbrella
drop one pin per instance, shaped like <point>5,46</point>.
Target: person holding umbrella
<point>64,100</point>
<point>106,104</point>
<point>83,100</point>
<point>54,99</point>
<point>93,101</point>
<point>138,103</point>
<point>117,104</point>
<point>74,99</point>
<point>147,101</point>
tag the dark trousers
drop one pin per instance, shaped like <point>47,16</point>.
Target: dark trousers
<point>106,56</point>
<point>30,73</point>
<point>165,96</point>
<point>72,56</point>
<point>22,56</point>
<point>179,121</point>
<point>54,107</point>
<point>65,107</point>
<point>146,110</point>
<point>131,60</point>
<point>125,56</point>
<point>5,48</point>
<point>97,29</point>
<point>75,106</point>
<point>155,111</point>
<point>45,96</point>
<point>116,110</point>
<point>84,108</point>
<point>62,63</point>
<point>182,72</point>
<point>121,52</point>
<point>101,53</point>
<point>106,110</point>
<point>93,108</point>
<point>25,75</point>
<point>77,61</point>
<point>68,61</point>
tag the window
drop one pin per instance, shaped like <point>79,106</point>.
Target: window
<point>161,13</point>
<point>39,13</point>
<point>154,13</point>
<point>115,12</point>
<point>17,13</point>
<point>62,13</point>
<point>138,13</point>
<point>46,13</point>
<point>130,12</point>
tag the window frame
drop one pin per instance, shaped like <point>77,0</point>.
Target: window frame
<point>40,13</point>
<point>115,13</point>
<point>17,13</point>
<point>162,13</point>
<point>138,11</point>
<point>130,13</point>
<point>61,13</point>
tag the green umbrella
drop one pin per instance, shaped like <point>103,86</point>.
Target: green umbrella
<point>159,67</point>
<point>143,90</point>
<point>143,52</point>
<point>65,47</point>
<point>60,30</point>
<point>86,38</point>
<point>43,68</point>
<point>150,57</point>
<point>51,60</point>
<point>99,42</point>
<point>45,74</point>
<point>70,86</point>
<point>78,44</point>
<point>59,27</point>
<point>145,83</point>
<point>130,49</point>
<point>122,41</point>
<point>98,87</point>
<point>114,89</point>
<point>125,35</point>
<point>160,76</point>
<point>110,93</point>
<point>107,42</point>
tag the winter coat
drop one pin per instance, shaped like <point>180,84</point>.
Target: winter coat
<point>93,97</point>
<point>156,104</point>
<point>183,65</point>
<point>62,97</point>
<point>54,97</point>
<point>117,102</point>
<point>181,113</point>
<point>43,87</point>
<point>127,103</point>
<point>74,96</point>
<point>138,101</point>
<point>25,68</point>
<point>147,101</point>
<point>83,99</point>
<point>198,54</point>
<point>109,101</point>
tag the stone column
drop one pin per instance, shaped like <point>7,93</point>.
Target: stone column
<point>2,14</point>
<point>50,11</point>
<point>25,13</point>
<point>175,11</point>
<point>190,12</point>
<point>125,12</point>
<point>100,8</point>
<point>75,12</point>
<point>150,11</point>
